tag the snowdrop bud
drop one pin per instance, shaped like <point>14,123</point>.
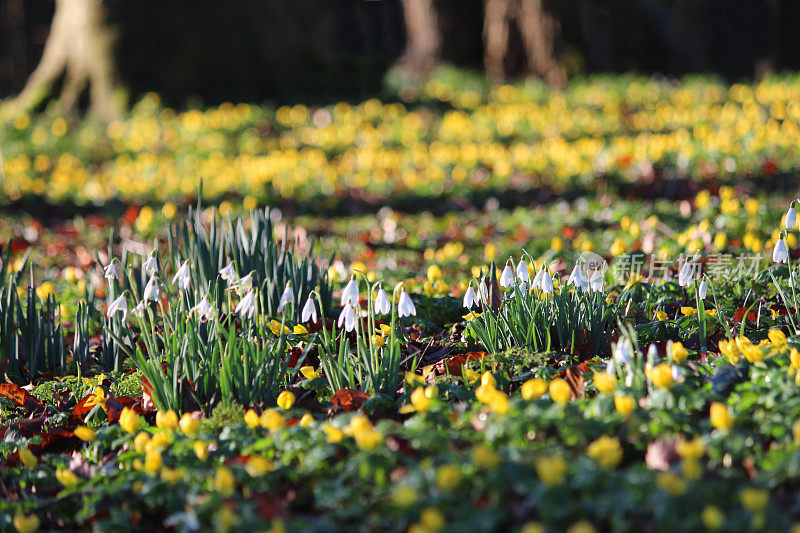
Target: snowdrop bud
<point>685,274</point>
<point>791,217</point>
<point>287,298</point>
<point>405,307</point>
<point>522,271</point>
<point>780,254</point>
<point>309,313</point>
<point>470,298</point>
<point>382,304</point>
<point>702,290</point>
<point>507,277</point>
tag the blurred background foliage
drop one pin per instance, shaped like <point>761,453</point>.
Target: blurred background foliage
<point>321,51</point>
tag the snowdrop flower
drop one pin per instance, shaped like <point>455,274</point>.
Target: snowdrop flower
<point>309,313</point>
<point>405,307</point>
<point>596,282</point>
<point>652,354</point>
<point>507,277</point>
<point>623,352</point>
<point>471,298</point>
<point>677,374</point>
<point>348,317</point>
<point>791,217</point>
<point>120,304</point>
<point>611,368</point>
<point>537,279</point>
<point>483,293</point>
<point>382,304</point>
<point>702,290</point>
<point>577,279</point>
<point>350,293</point>
<point>685,274</point>
<point>110,271</point>
<point>139,309</point>
<point>522,271</point>
<point>547,282</point>
<point>151,265</point>
<point>287,298</point>
<point>203,309</point>
<point>247,305</point>
<point>780,254</point>
<point>183,277</point>
<point>151,291</point>
<point>246,283</point>
<point>228,273</point>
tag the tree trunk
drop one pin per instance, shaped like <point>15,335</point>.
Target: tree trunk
<point>539,30</point>
<point>495,36</point>
<point>421,55</point>
<point>80,47</point>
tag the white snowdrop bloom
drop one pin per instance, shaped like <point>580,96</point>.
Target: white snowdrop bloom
<point>246,283</point>
<point>791,217</point>
<point>623,353</point>
<point>382,304</point>
<point>203,309</point>
<point>309,313</point>
<point>152,290</point>
<point>470,298</point>
<point>547,282</point>
<point>780,254</point>
<point>596,282</point>
<point>611,368</point>
<point>677,374</point>
<point>228,273</point>
<point>702,290</point>
<point>483,293</point>
<point>110,271</point>
<point>350,293</point>
<point>348,317</point>
<point>151,265</point>
<point>522,271</point>
<point>537,280</point>
<point>246,308</point>
<point>685,274</point>
<point>507,277</point>
<point>287,298</point>
<point>118,305</point>
<point>139,309</point>
<point>652,353</point>
<point>405,307</point>
<point>183,277</point>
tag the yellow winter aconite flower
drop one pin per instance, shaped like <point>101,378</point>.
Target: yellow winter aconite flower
<point>251,419</point>
<point>257,466</point>
<point>688,311</point>
<point>84,433</point>
<point>404,496</point>
<point>661,315</point>
<point>66,477</point>
<point>309,372</point>
<point>299,329</point>
<point>140,442</point>
<point>26,523</point>
<point>487,379</point>
<point>755,500</point>
<point>661,376</point>
<point>224,482</point>
<point>671,483</point>
<point>485,457</point>
<point>559,391</point>
<point>286,399</point>
<point>691,449</point>
<point>720,416</point>
<point>272,420</point>
<point>27,458</point>
<point>306,420</point>
<point>167,420</point>
<point>605,382</point>
<point>607,451</point>
<point>712,517</point>
<point>98,397</point>
<point>582,526</point>
<point>419,400</point>
<point>551,469</point>
<point>777,337</point>
<point>729,350</point>
<point>332,433</point>
<point>277,328</point>
<point>365,435</point>
<point>189,425</point>
<point>153,461</point>
<point>533,388</point>
<point>470,375</point>
<point>129,420</point>
<point>532,527</point>
<point>624,405</point>
<point>448,477</point>
<point>200,449</point>
<point>678,352</point>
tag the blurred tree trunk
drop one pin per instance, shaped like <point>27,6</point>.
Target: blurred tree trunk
<point>79,46</point>
<point>539,30</point>
<point>423,44</point>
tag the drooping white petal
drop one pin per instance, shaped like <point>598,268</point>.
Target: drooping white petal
<point>522,271</point>
<point>547,282</point>
<point>228,273</point>
<point>246,308</point>
<point>287,298</point>
<point>702,290</point>
<point>151,265</point>
<point>507,277</point>
<point>152,290</point>
<point>470,297</point>
<point>120,304</point>
<point>596,282</point>
<point>183,277</point>
<point>382,304</point>
<point>537,279</point>
<point>309,313</point>
<point>350,293</point>
<point>685,274</point>
<point>791,218</point>
<point>405,307</point>
<point>203,309</point>
<point>110,271</point>
<point>780,254</point>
